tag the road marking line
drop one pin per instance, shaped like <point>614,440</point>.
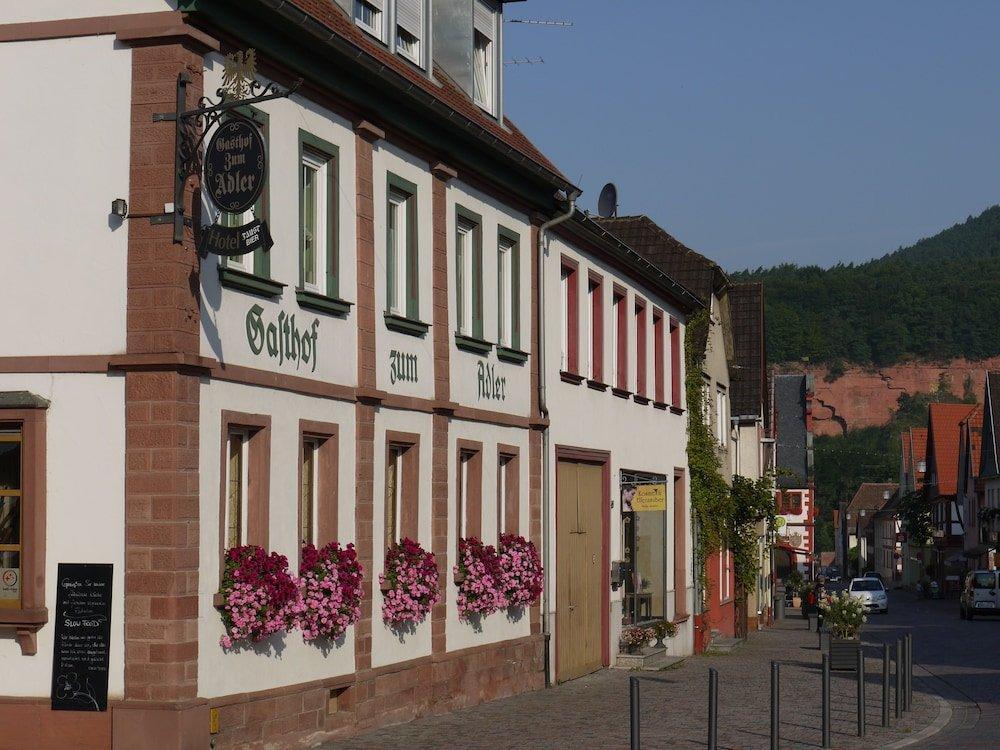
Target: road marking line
<point>943,719</point>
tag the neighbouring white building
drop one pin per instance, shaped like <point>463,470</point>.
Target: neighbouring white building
<point>386,370</point>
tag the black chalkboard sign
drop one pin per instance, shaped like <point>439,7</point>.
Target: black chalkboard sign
<point>82,637</point>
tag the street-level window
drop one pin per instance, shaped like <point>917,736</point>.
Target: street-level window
<point>11,571</point>
<point>307,491</point>
<point>469,486</point>
<point>369,15</point>
<point>507,490</point>
<point>402,471</point>
<point>237,482</point>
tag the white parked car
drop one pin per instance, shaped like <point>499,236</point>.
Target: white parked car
<point>871,593</point>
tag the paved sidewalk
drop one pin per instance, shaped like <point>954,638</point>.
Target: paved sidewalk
<point>592,713</point>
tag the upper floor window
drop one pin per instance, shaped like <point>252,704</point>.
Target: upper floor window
<point>640,348</point>
<point>10,515</point>
<point>317,216</point>
<point>675,363</point>
<point>658,389</point>
<point>484,52</point>
<point>370,16</point>
<point>257,263</point>
<point>570,358</point>
<point>508,290</point>
<point>401,248</point>
<point>619,330</point>
<point>469,273</point>
<point>595,294</point>
<point>721,416</point>
<point>409,29</point>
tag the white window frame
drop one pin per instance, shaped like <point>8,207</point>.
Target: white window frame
<point>505,253</point>
<point>721,416</point>
<point>465,237</point>
<point>486,64</point>
<point>243,502</point>
<point>396,250</point>
<point>503,465</point>
<point>564,281</point>
<point>464,457</point>
<point>377,28</point>
<point>320,165</point>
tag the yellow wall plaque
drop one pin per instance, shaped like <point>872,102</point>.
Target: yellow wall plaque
<point>649,497</point>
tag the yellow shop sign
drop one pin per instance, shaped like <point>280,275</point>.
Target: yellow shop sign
<point>650,497</point>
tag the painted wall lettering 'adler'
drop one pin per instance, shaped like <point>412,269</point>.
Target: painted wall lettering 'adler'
<point>283,340</point>
<point>491,386</point>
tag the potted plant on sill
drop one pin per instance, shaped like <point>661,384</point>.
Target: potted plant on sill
<point>663,629</point>
<point>635,638</point>
<point>844,616</point>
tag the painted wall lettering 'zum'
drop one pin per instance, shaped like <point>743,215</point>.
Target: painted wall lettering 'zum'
<point>402,367</point>
<point>283,340</point>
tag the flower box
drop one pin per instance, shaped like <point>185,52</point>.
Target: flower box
<point>844,653</point>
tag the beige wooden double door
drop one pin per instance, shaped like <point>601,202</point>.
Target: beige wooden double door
<point>579,567</point>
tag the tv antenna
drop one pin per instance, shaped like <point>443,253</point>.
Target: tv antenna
<point>607,203</point>
<point>538,22</point>
<point>524,61</point>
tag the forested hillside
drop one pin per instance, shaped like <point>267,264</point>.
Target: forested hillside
<point>937,300</point>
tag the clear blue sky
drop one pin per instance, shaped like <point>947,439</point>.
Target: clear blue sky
<point>762,132</point>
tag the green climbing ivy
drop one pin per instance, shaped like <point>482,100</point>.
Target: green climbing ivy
<point>723,516</point>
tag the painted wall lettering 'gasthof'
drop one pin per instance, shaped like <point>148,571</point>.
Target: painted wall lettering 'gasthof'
<point>283,340</point>
<point>491,386</point>
<point>402,367</point>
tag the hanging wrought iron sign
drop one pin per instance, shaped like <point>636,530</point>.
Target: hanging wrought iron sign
<point>235,162</point>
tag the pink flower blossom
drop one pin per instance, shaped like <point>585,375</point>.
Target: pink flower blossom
<point>257,592</point>
<point>520,570</point>
<point>410,583</point>
<point>481,590</point>
<point>329,587</point>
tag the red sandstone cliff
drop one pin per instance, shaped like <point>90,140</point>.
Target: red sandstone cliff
<point>863,398</point>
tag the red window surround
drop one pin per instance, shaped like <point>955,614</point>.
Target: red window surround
<point>675,363</point>
<point>572,302</point>
<point>640,347</point>
<point>596,289</point>
<point>618,302</point>
<point>658,356</point>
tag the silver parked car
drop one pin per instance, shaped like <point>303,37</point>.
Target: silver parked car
<point>980,595</point>
<point>871,593</point>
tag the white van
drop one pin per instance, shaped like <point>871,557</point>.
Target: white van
<point>980,595</point>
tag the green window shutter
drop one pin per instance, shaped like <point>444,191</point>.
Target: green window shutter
<point>477,282</point>
<point>302,216</point>
<point>412,271</point>
<point>390,254</point>
<point>459,281</point>
<point>333,229</point>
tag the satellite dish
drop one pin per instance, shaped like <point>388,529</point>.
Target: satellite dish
<point>607,204</point>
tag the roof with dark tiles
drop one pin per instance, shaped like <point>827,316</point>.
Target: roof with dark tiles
<point>692,269</point>
<point>748,380</point>
<point>440,86</point>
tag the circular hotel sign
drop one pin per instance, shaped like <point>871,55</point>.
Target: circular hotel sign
<point>235,165</point>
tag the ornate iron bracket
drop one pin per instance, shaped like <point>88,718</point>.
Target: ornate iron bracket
<point>191,128</point>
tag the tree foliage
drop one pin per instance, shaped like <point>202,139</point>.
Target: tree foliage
<point>915,516</point>
<point>936,300</point>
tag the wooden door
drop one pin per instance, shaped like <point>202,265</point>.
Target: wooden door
<point>579,580</point>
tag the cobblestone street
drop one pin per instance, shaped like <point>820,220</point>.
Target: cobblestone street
<point>592,712</point>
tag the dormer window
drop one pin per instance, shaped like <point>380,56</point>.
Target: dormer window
<point>409,29</point>
<point>484,53</point>
<point>369,15</point>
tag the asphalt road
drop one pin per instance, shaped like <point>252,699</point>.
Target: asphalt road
<point>957,659</point>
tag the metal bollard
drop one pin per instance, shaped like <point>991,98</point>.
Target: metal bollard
<point>861,692</point>
<point>902,672</point>
<point>775,707</point>
<point>885,684</point>
<point>899,677</point>
<point>713,709</point>
<point>826,700</point>
<point>909,671</point>
<point>633,709</point>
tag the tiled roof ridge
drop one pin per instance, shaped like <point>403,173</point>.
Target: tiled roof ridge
<point>646,218</point>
